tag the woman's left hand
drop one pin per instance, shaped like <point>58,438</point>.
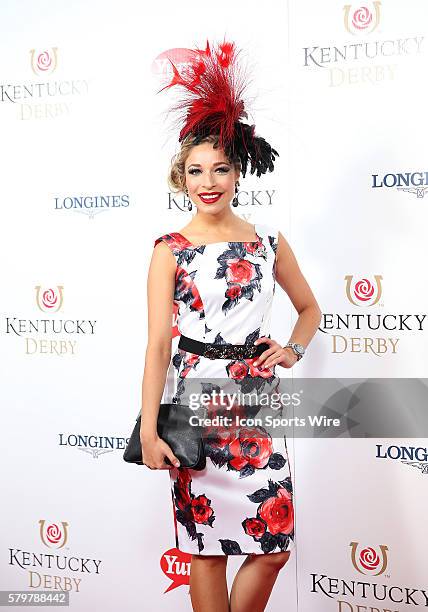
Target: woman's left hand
<point>275,354</point>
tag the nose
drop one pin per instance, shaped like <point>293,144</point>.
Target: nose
<point>208,180</point>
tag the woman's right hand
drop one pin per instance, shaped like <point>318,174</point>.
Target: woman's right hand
<point>154,451</point>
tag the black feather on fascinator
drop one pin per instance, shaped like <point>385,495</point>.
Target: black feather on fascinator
<point>214,84</point>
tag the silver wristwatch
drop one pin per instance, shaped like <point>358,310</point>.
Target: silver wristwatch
<point>298,349</point>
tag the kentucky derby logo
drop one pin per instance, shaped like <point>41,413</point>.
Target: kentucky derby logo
<point>44,61</point>
<point>361,20</point>
<point>363,292</point>
<point>49,300</point>
<point>368,560</point>
<point>52,534</point>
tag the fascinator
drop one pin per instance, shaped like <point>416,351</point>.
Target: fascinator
<point>213,85</point>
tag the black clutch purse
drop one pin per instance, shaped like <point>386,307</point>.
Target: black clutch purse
<point>175,428</point>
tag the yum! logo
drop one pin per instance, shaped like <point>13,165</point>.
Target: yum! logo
<point>175,564</point>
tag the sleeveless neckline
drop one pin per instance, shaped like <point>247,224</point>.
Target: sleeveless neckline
<point>193,246</point>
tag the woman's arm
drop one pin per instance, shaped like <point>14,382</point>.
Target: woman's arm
<point>291,279</point>
<point>160,296</point>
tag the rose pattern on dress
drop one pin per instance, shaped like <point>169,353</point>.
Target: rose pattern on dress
<point>242,276</point>
<point>190,510</point>
<point>187,292</point>
<point>274,245</point>
<point>243,371</point>
<point>273,525</point>
<point>184,362</point>
<point>211,280</point>
<point>183,250</point>
<point>241,449</point>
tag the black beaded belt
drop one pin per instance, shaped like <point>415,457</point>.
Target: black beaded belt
<point>221,351</point>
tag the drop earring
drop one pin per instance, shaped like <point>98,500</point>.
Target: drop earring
<point>189,205</point>
<point>235,199</point>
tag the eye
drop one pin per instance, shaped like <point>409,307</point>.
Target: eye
<point>222,169</point>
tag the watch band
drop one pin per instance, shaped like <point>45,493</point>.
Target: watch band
<point>297,349</point>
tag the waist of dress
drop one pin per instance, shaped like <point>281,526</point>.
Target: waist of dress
<point>213,350</point>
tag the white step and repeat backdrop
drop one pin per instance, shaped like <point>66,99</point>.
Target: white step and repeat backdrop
<point>340,90</point>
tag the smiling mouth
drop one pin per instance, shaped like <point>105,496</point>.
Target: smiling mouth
<point>210,197</point>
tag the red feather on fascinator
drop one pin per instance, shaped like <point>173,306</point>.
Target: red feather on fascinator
<point>214,84</point>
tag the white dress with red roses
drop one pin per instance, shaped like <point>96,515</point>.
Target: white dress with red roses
<point>242,502</point>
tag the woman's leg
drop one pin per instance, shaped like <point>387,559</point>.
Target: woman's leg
<point>208,584</point>
<point>254,581</point>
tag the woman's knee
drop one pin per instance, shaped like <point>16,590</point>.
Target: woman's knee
<point>272,561</point>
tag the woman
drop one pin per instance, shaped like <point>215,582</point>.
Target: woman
<point>221,272</point>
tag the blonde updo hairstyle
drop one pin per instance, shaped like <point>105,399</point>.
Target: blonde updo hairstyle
<point>177,175</point>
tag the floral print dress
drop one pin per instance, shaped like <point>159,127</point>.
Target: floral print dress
<point>242,502</point>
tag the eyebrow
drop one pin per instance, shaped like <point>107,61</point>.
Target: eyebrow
<point>216,164</point>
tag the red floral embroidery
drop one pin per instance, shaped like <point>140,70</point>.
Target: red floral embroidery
<point>186,290</point>
<point>237,369</point>
<point>277,512</point>
<point>240,271</point>
<point>190,510</point>
<point>201,509</point>
<point>242,368</point>
<point>189,360</point>
<point>254,527</point>
<point>274,524</point>
<point>233,292</point>
<point>251,447</point>
<point>254,247</point>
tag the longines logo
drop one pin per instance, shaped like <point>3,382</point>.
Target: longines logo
<point>37,333</point>
<point>54,536</point>
<point>365,293</point>
<point>413,456</point>
<point>358,595</point>
<point>46,97</point>
<point>91,205</point>
<point>93,445</point>
<point>339,60</point>
<point>415,183</point>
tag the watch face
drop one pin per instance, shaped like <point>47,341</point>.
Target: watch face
<point>299,348</point>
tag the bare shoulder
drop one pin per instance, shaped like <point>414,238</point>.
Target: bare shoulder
<point>284,250</point>
<point>162,257</point>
